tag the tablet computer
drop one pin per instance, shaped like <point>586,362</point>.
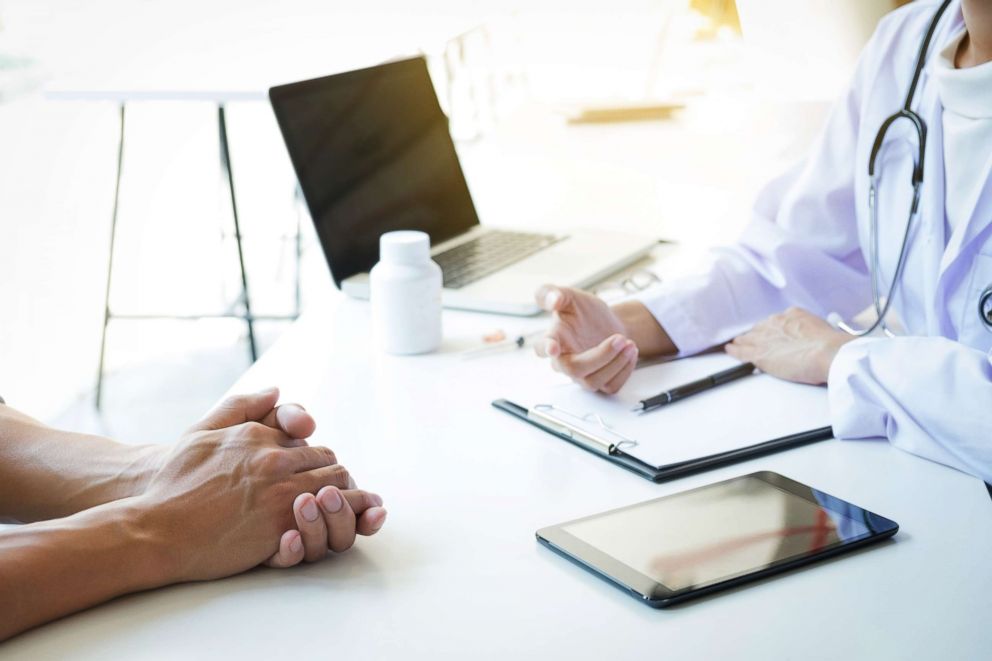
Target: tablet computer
<point>688,544</point>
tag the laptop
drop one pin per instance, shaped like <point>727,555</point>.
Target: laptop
<point>373,154</point>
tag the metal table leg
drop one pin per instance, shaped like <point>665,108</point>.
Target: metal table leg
<point>249,319</point>
<point>110,261</point>
<point>225,158</point>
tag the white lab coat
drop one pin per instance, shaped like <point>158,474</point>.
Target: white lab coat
<point>929,392</point>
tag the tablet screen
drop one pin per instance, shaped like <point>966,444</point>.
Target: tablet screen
<point>721,531</point>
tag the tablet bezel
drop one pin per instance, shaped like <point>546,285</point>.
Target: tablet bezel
<point>656,594</point>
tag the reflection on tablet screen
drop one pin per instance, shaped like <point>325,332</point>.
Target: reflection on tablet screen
<point>718,532</point>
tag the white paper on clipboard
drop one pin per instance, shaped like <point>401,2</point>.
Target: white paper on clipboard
<point>735,415</point>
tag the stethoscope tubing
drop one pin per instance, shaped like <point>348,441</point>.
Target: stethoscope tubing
<point>907,114</point>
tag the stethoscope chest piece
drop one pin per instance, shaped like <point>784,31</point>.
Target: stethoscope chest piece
<point>985,307</point>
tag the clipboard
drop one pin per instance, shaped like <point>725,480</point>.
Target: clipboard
<point>633,451</point>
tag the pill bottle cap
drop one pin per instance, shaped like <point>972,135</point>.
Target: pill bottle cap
<point>405,247</point>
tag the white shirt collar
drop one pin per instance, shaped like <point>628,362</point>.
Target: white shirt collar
<point>965,92</point>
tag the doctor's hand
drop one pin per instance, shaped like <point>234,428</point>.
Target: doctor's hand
<point>586,341</point>
<point>595,344</point>
<point>795,345</point>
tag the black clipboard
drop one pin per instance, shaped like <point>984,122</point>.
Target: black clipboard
<point>660,474</point>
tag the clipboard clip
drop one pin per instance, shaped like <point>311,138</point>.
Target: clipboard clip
<point>541,414</point>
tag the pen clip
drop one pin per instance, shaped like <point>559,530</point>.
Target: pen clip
<point>540,413</point>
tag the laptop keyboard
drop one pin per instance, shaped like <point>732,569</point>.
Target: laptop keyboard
<point>467,262</point>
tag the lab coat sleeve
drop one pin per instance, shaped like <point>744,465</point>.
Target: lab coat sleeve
<point>801,247</point>
<point>928,395</point>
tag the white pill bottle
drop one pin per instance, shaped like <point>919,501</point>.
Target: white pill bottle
<point>405,292</point>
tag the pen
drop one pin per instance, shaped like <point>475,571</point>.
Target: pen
<point>694,387</point>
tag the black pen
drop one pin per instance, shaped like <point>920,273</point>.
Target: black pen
<point>694,387</point>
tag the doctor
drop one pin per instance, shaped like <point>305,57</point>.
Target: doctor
<point>923,377</point>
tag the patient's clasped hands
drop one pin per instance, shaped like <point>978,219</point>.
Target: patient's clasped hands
<point>99,519</point>
<point>242,487</point>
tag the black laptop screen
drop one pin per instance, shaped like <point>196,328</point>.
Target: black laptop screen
<point>372,152</point>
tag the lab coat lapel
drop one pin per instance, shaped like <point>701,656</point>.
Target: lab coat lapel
<point>980,219</point>
<point>929,237</point>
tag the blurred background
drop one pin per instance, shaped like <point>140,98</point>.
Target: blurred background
<point>730,94</point>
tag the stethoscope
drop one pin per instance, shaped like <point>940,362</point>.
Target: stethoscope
<point>985,307</point>
<point>905,113</point>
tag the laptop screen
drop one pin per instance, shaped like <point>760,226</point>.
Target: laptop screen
<point>372,153</point>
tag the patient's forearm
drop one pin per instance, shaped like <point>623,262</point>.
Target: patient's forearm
<point>47,473</point>
<point>54,568</point>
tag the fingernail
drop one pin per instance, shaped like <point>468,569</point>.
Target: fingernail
<point>618,343</point>
<point>382,520</point>
<point>376,499</point>
<point>309,510</point>
<point>551,299</point>
<point>267,391</point>
<point>330,500</point>
<point>630,351</point>
<point>296,545</point>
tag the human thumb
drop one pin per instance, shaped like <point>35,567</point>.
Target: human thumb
<point>552,298</point>
<point>238,409</point>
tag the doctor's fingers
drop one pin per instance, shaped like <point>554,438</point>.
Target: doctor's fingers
<point>551,298</point>
<point>746,352</point>
<point>761,333</point>
<point>584,364</point>
<point>614,385</point>
<point>598,379</point>
<point>559,338</point>
<point>548,346</point>
<point>740,341</point>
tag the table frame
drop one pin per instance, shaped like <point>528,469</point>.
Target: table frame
<point>247,316</point>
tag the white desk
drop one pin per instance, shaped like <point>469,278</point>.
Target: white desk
<point>456,572</point>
